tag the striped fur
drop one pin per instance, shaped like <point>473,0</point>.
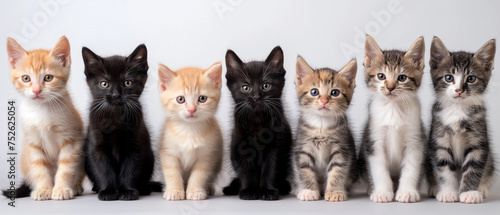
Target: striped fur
<point>324,153</point>
<point>461,157</point>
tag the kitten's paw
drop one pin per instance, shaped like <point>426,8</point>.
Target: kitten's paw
<point>447,196</point>
<point>62,193</point>
<point>269,194</point>
<point>196,195</point>
<point>41,194</point>
<point>172,195</point>
<point>407,196</point>
<point>247,194</point>
<point>382,196</point>
<point>335,196</point>
<point>484,191</point>
<point>471,197</point>
<point>108,195</point>
<point>129,195</point>
<point>308,195</point>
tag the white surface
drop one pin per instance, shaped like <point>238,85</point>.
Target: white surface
<point>183,33</point>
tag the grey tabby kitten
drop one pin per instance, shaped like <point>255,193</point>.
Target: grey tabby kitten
<point>324,154</point>
<point>460,151</point>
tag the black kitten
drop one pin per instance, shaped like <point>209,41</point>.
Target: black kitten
<point>118,156</point>
<point>261,140</point>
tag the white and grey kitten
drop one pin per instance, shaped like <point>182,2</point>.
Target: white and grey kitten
<point>392,151</point>
<point>460,153</point>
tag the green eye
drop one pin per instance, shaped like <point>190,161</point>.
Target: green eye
<point>180,99</point>
<point>245,88</point>
<point>104,84</point>
<point>127,83</point>
<point>48,78</point>
<point>26,78</point>
<point>202,99</point>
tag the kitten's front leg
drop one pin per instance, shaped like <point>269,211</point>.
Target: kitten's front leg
<point>338,171</point>
<point>308,189</point>
<point>127,177</point>
<point>105,175</point>
<point>39,174</point>
<point>412,169</point>
<point>444,168</point>
<point>197,183</point>
<point>267,188</point>
<point>67,166</point>
<point>172,171</point>
<point>380,175</point>
<point>476,156</point>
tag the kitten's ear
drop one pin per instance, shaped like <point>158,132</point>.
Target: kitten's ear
<point>139,55</point>
<point>233,63</point>
<point>62,51</point>
<point>276,57</point>
<point>485,56</point>
<point>15,52</point>
<point>302,69</point>
<point>165,77</point>
<point>416,53</point>
<point>372,51</point>
<point>349,72</point>
<point>89,57</point>
<point>438,52</point>
<point>214,74</point>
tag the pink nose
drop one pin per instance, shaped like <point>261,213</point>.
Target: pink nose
<point>191,111</point>
<point>36,92</point>
<point>324,102</point>
<point>459,91</point>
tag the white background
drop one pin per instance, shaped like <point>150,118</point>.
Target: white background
<point>198,33</point>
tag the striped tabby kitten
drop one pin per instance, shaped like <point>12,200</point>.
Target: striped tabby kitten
<point>51,160</point>
<point>392,150</point>
<point>461,155</point>
<point>324,153</point>
<point>191,140</point>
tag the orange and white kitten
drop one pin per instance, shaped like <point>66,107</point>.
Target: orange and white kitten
<point>191,140</point>
<point>51,158</point>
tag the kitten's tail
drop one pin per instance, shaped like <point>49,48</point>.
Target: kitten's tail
<point>233,188</point>
<point>23,191</point>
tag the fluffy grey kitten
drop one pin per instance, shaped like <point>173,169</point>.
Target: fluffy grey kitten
<point>460,152</point>
<point>324,154</point>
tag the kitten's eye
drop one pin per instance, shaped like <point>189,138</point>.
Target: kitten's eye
<point>335,93</point>
<point>448,78</point>
<point>381,76</point>
<point>471,79</point>
<point>314,92</point>
<point>26,78</point>
<point>266,86</point>
<point>402,78</point>
<point>245,88</point>
<point>104,84</point>
<point>48,78</point>
<point>180,99</point>
<point>127,83</point>
<point>202,99</point>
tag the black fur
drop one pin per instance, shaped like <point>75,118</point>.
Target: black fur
<point>118,156</point>
<point>261,140</point>
<point>23,191</point>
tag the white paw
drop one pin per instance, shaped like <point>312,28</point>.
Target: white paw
<point>196,195</point>
<point>447,196</point>
<point>382,196</point>
<point>62,193</point>
<point>471,197</point>
<point>308,195</point>
<point>41,194</point>
<point>173,195</point>
<point>407,196</point>
<point>335,196</point>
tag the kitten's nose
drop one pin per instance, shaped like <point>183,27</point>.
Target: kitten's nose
<point>192,110</point>
<point>255,97</point>
<point>323,102</point>
<point>37,91</point>
<point>390,88</point>
<point>459,91</point>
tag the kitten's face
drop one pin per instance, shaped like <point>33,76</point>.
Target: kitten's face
<point>256,86</point>
<point>461,76</point>
<point>116,82</point>
<point>190,94</point>
<point>40,75</point>
<point>325,91</point>
<point>394,74</point>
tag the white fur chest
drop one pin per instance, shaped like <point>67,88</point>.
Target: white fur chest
<point>452,114</point>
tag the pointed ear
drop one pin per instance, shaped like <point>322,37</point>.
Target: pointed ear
<point>89,57</point>
<point>276,57</point>
<point>233,63</point>
<point>139,55</point>
<point>485,56</point>
<point>349,72</point>
<point>15,52</point>
<point>302,69</point>
<point>165,77</point>
<point>214,74</point>
<point>438,52</point>
<point>62,51</point>
<point>372,51</point>
<point>416,53</point>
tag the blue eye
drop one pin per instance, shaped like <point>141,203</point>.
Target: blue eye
<point>314,92</point>
<point>448,78</point>
<point>402,78</point>
<point>381,76</point>
<point>335,93</point>
<point>471,79</point>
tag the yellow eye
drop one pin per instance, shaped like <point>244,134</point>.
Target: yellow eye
<point>26,78</point>
<point>127,83</point>
<point>104,84</point>
<point>48,78</point>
